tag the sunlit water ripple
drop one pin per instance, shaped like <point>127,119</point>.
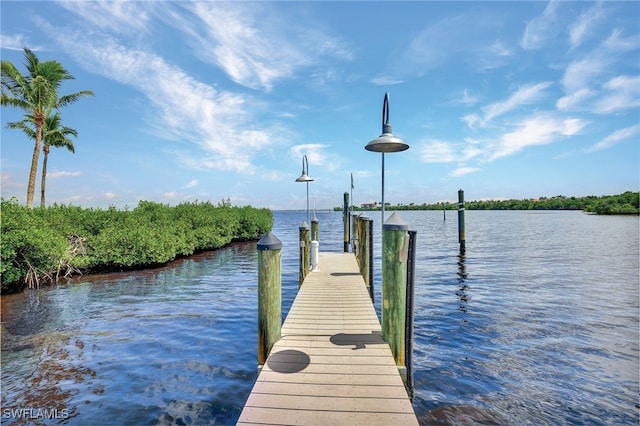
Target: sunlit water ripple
<point>536,324</point>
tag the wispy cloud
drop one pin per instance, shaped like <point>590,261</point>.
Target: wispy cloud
<point>14,42</point>
<point>468,39</point>
<point>585,78</point>
<point>571,101</point>
<point>580,29</point>
<point>385,81</point>
<point>317,155</point>
<point>461,171</point>
<point>615,137</point>
<point>254,45</point>
<point>622,92</point>
<point>524,95</point>
<point>184,109</point>
<point>581,73</point>
<point>438,151</point>
<point>541,28</point>
<point>122,16</point>
<point>61,174</point>
<point>191,184</point>
<point>540,129</point>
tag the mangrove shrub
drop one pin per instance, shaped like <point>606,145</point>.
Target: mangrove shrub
<point>42,244</point>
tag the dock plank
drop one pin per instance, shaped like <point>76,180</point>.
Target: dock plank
<point>331,365</point>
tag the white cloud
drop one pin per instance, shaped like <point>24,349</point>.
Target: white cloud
<point>14,42</point>
<point>461,171</point>
<point>438,151</point>
<point>541,28</point>
<point>120,16</point>
<point>580,74</point>
<point>524,95</point>
<point>191,184</point>
<point>615,137</point>
<point>540,129</point>
<point>61,174</point>
<point>317,155</point>
<point>468,99</point>
<point>471,119</point>
<point>616,42</point>
<point>579,30</point>
<point>256,46</point>
<point>574,99</point>
<point>184,109</point>
<point>385,81</point>
<point>623,92</point>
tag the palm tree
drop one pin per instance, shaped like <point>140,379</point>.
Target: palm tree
<point>37,94</point>
<point>53,134</point>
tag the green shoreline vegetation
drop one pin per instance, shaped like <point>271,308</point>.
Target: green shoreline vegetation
<point>625,203</point>
<point>42,245</point>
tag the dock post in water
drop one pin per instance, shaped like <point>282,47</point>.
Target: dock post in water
<point>364,254</point>
<point>408,334</point>
<point>315,229</point>
<point>305,244</point>
<point>395,245</point>
<point>461,236</point>
<point>345,220</point>
<point>269,294</point>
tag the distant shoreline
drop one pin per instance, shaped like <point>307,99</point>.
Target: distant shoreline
<point>627,203</point>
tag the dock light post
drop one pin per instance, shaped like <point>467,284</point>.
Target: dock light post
<point>386,142</point>
<point>304,177</point>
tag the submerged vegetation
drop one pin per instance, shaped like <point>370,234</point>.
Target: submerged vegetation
<point>44,244</point>
<point>626,203</point>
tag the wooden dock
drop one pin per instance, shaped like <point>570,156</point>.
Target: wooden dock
<point>331,365</point>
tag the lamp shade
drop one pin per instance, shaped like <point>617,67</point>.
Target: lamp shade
<point>304,178</point>
<point>387,142</point>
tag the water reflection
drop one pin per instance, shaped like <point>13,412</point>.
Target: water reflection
<point>551,337</point>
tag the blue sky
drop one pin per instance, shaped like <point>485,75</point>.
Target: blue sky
<point>209,101</point>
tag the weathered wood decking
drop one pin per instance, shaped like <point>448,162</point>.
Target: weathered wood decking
<point>331,365</point>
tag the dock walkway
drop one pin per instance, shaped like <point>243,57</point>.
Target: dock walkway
<point>331,365</point>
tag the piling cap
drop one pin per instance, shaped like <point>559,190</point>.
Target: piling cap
<point>304,226</point>
<point>395,223</point>
<point>269,242</point>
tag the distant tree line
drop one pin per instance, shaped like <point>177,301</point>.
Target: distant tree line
<point>625,203</point>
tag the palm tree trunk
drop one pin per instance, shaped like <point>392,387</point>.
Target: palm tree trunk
<point>44,173</point>
<point>31,188</point>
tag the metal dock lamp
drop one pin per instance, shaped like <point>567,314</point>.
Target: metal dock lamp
<point>304,177</point>
<point>386,142</point>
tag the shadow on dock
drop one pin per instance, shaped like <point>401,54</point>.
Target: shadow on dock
<point>360,341</point>
<point>288,361</point>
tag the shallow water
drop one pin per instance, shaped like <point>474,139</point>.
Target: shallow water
<point>536,324</point>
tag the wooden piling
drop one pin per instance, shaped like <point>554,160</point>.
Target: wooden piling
<point>315,229</point>
<point>461,235</point>
<point>269,294</point>
<point>364,251</point>
<point>395,240</point>
<point>305,245</point>
<point>345,220</point>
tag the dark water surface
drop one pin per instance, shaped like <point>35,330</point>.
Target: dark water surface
<point>536,325</point>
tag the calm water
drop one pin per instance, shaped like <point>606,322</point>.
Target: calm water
<point>537,324</point>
